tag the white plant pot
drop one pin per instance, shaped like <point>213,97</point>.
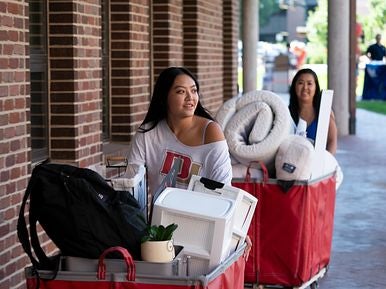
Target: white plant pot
<point>157,251</point>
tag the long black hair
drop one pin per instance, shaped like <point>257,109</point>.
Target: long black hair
<point>294,102</point>
<point>158,108</point>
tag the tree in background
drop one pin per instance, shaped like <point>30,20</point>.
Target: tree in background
<point>373,23</point>
<point>317,31</point>
<point>317,28</point>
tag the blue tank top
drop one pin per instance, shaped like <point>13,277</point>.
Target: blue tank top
<point>311,130</point>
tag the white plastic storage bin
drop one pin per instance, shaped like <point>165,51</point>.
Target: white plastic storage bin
<point>245,205</point>
<point>133,180</point>
<point>204,222</point>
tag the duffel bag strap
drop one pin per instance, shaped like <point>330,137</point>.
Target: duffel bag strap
<point>22,231</point>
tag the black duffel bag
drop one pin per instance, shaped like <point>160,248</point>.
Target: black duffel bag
<point>81,213</point>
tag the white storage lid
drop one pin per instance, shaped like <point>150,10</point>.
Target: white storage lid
<point>194,202</point>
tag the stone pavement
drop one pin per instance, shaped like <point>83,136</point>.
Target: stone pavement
<point>358,258</point>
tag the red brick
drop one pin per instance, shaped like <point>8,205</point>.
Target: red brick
<point>4,229</point>
<point>76,102</point>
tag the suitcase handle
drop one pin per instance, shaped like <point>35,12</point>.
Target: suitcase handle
<point>101,274</point>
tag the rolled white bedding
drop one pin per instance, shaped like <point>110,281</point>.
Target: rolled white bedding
<point>254,125</point>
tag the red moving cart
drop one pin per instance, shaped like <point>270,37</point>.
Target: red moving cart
<point>291,231</point>
<point>228,275</point>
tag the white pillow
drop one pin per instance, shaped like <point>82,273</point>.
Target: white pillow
<point>293,161</point>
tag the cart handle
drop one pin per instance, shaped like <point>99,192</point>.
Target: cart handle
<point>101,274</point>
<point>263,168</point>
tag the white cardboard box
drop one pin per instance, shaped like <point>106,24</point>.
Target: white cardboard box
<point>319,166</point>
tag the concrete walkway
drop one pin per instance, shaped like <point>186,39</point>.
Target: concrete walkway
<point>358,258</point>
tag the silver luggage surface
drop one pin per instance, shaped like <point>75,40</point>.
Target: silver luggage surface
<point>177,267</point>
<point>143,279</point>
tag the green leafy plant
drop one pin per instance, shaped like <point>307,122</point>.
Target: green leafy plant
<point>159,233</point>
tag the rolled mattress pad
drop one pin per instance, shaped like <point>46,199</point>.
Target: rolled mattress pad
<point>254,125</point>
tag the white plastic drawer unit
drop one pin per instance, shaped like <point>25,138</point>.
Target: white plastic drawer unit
<point>204,222</point>
<point>245,202</point>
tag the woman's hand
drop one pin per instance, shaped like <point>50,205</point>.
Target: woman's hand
<point>247,248</point>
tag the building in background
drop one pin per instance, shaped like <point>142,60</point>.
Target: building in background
<point>289,23</point>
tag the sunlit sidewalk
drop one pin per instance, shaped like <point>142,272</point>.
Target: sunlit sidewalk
<point>358,257</point>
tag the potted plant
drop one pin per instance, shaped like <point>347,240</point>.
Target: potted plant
<point>157,243</point>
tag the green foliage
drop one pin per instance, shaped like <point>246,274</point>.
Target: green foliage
<point>378,12</point>
<point>317,24</point>
<point>378,106</point>
<point>316,54</point>
<point>317,27</point>
<point>159,233</point>
<point>374,22</point>
<point>317,31</point>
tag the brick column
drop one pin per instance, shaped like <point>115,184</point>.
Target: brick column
<point>231,36</point>
<point>130,66</point>
<point>167,34</point>
<point>203,48</point>
<point>75,87</point>
<point>15,150</point>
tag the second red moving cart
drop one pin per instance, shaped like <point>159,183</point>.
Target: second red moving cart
<point>291,231</point>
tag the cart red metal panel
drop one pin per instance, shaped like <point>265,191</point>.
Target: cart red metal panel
<point>228,275</point>
<point>253,264</point>
<point>291,231</point>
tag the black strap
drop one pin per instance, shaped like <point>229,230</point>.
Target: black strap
<point>22,231</point>
<point>42,261</point>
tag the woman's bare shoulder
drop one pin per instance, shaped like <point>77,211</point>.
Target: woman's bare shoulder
<point>213,132</point>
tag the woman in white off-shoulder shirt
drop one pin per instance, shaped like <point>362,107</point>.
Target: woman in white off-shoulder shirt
<point>178,126</point>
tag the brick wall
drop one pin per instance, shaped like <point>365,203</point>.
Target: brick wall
<point>75,81</point>
<point>14,136</point>
<point>231,36</point>
<point>203,48</point>
<point>130,66</point>
<point>167,34</point>
<point>201,35</point>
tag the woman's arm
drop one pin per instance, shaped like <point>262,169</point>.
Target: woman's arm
<point>332,137</point>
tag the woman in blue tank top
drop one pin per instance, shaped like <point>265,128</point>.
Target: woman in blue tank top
<point>304,103</point>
